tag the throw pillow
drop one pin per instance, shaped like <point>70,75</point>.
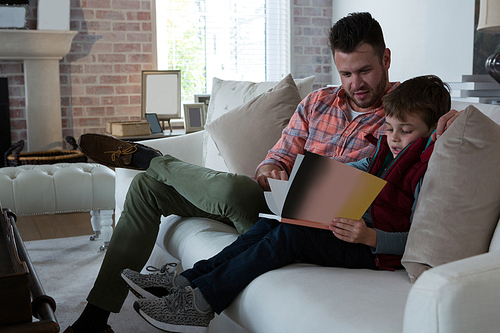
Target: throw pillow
<point>244,135</point>
<point>227,95</point>
<point>459,204</point>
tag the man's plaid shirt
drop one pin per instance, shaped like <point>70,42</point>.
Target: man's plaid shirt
<point>321,125</point>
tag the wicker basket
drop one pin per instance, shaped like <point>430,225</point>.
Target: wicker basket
<point>14,157</point>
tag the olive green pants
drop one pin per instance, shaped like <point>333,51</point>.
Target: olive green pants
<point>170,186</point>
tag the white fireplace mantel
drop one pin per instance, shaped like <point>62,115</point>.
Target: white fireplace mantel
<point>40,51</point>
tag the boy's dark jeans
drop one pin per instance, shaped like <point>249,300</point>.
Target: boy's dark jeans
<point>266,246</point>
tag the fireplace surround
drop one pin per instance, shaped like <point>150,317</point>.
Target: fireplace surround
<point>40,52</point>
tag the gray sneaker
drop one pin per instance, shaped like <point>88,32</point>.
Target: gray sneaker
<point>176,312</point>
<point>157,284</point>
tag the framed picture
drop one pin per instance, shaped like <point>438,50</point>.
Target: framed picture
<point>14,14</point>
<point>203,98</point>
<point>194,117</point>
<point>161,94</point>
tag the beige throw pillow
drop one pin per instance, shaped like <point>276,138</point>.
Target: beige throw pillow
<point>227,95</point>
<point>245,134</point>
<point>459,204</point>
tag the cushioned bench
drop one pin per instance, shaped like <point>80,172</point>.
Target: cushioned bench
<point>61,188</point>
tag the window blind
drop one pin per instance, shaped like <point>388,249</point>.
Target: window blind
<point>228,39</point>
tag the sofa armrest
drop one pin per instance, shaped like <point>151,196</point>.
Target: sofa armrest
<point>461,296</point>
<point>188,147</point>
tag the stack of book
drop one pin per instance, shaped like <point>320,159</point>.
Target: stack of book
<point>476,89</point>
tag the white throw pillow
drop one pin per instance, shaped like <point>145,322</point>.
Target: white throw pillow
<point>227,95</point>
<point>244,135</point>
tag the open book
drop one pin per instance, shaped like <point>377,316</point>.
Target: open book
<point>320,189</point>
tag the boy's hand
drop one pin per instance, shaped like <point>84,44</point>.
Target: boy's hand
<point>353,231</point>
<point>444,122</point>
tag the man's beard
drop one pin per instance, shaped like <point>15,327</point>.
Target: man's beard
<point>376,94</point>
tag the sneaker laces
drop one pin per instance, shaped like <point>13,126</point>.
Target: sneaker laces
<point>177,301</point>
<point>162,269</point>
<point>117,153</point>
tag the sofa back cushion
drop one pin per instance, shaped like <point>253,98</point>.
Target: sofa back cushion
<point>227,95</point>
<point>459,204</point>
<point>491,110</point>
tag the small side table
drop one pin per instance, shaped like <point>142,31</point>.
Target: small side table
<point>476,89</point>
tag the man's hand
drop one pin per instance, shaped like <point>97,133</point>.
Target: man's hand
<point>269,171</point>
<point>353,231</point>
<point>444,122</point>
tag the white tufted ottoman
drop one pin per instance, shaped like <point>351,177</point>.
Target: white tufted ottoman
<point>61,188</point>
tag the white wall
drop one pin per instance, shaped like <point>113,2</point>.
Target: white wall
<point>425,36</point>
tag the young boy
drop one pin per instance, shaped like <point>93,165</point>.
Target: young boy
<point>377,241</point>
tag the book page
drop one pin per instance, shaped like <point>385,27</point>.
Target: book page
<point>271,204</point>
<point>279,189</point>
<point>270,216</point>
<point>295,168</point>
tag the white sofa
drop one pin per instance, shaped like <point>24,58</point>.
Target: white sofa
<point>461,296</point>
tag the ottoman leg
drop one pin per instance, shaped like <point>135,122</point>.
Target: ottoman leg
<point>95,220</point>
<point>102,223</point>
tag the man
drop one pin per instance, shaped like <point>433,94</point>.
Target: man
<point>363,65</point>
<point>331,121</point>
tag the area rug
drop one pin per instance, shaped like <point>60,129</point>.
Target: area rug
<point>67,268</point>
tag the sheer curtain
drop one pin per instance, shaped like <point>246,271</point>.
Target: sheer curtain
<point>228,39</point>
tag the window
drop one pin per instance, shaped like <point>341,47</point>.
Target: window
<point>228,39</point>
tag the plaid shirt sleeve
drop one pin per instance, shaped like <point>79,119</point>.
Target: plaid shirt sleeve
<point>321,125</point>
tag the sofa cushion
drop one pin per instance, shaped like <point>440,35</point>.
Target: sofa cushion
<point>273,301</point>
<point>227,95</point>
<point>244,135</point>
<point>309,298</point>
<point>459,204</point>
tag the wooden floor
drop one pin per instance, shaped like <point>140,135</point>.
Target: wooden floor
<point>54,226</point>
